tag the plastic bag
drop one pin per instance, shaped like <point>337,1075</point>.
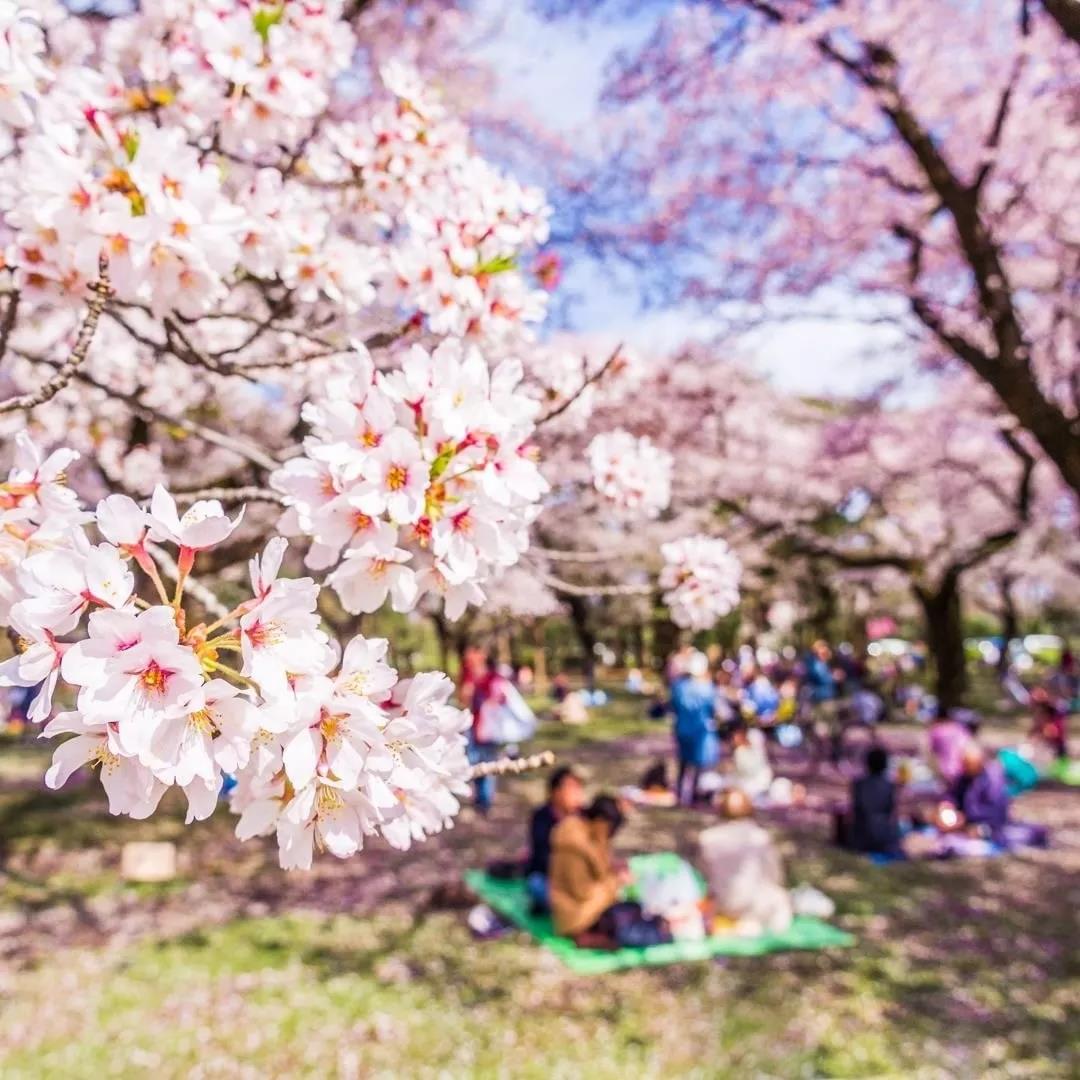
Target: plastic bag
<point>666,890</point>
<point>673,892</point>
<point>505,718</point>
<point>806,900</point>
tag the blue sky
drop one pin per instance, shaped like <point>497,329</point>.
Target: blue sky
<point>556,71</point>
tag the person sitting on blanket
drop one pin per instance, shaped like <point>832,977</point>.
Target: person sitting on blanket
<point>948,739</point>
<point>585,881</point>
<point>566,796</point>
<point>873,828</point>
<point>743,869</point>
<point>981,795</point>
<point>750,758</point>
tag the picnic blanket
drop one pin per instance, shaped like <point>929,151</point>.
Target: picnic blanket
<point>1065,771</point>
<point>935,845</point>
<point>509,899</point>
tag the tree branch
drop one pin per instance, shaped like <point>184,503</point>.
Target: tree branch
<point>101,290</point>
<point>231,495</point>
<point>147,412</point>
<point>578,556</point>
<point>1066,13</point>
<point>7,324</point>
<point>568,588</point>
<point>589,380</point>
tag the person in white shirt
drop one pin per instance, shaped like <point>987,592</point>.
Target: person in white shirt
<point>750,759</point>
<point>743,870</point>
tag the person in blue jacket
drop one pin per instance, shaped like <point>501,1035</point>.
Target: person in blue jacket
<point>693,700</point>
<point>819,676</point>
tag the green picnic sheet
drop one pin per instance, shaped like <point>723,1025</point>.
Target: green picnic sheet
<point>509,899</point>
<point>1065,771</point>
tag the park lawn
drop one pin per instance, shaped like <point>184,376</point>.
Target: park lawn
<point>961,970</point>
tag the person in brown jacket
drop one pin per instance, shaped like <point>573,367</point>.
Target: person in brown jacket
<point>583,881</point>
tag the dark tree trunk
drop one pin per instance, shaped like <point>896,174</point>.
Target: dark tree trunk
<point>1010,623</point>
<point>637,645</point>
<point>1066,13</point>
<point>442,633</point>
<point>945,638</point>
<point>665,635</point>
<point>579,616</point>
<point>826,604</point>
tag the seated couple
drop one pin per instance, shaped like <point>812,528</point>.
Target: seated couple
<point>572,872</point>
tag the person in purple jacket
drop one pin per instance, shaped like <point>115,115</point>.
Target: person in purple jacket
<point>949,740</point>
<point>981,793</point>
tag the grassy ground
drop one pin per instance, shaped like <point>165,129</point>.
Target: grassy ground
<point>962,970</point>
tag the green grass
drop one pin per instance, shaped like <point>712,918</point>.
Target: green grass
<point>300,995</point>
<point>623,716</point>
<point>961,970</point>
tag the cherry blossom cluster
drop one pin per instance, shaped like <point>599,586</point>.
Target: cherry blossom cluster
<point>418,481</point>
<point>325,751</point>
<point>38,514</point>
<point>22,46</point>
<point>256,73</point>
<point>140,196</point>
<point>197,145</point>
<point>631,472</point>
<point>463,225</point>
<point>700,577</point>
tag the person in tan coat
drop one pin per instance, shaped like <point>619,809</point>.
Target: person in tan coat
<point>584,881</point>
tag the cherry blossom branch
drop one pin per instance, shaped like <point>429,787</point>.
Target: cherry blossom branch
<point>507,766</point>
<point>7,324</point>
<point>589,380</point>
<point>570,589</point>
<point>179,344</point>
<point>148,412</point>
<point>101,290</point>
<point>993,139</point>
<point>1066,13</point>
<point>231,495</point>
<point>578,556</point>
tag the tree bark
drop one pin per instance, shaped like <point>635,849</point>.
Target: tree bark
<point>1010,622</point>
<point>945,638</point>
<point>442,633</point>
<point>826,605</point>
<point>540,671</point>
<point>665,635</point>
<point>1066,13</point>
<point>579,616</point>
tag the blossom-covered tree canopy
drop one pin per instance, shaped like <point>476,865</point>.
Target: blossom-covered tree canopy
<point>248,260</point>
<point>827,158</point>
<point>265,306</point>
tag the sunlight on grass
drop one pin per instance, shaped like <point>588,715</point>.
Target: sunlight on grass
<point>963,969</point>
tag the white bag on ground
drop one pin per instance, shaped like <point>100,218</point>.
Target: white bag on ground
<point>806,900</point>
<point>675,896</point>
